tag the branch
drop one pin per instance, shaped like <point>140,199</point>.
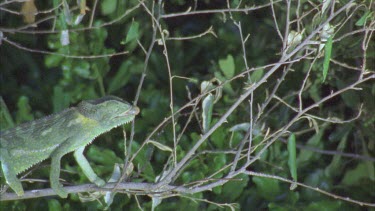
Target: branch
<point>128,187</point>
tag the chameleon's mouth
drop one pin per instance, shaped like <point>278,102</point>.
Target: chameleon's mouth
<point>133,111</point>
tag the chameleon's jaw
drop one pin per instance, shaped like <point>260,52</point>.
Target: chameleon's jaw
<point>133,111</point>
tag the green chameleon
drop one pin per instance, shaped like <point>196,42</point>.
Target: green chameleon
<point>58,134</point>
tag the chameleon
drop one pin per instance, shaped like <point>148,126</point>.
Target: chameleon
<point>58,134</point>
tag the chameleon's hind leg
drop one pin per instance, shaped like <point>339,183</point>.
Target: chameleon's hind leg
<point>9,173</point>
<point>56,156</point>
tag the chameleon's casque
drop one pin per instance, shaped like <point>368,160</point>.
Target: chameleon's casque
<point>58,134</point>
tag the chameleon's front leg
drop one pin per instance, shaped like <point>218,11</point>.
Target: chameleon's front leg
<point>9,174</point>
<point>81,160</point>
<point>55,175</point>
<point>56,156</point>
<point>85,166</point>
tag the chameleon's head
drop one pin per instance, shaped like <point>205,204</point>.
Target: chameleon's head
<point>109,111</point>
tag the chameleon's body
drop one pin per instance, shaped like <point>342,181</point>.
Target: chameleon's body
<point>58,134</point>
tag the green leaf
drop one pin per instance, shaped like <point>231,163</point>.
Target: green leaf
<point>133,32</point>
<point>336,165</point>
<point>207,106</point>
<point>64,38</point>
<point>53,60</point>
<point>220,138</point>
<point>325,205</point>
<point>234,189</point>
<point>316,178</point>
<point>190,176</point>
<point>103,156</point>
<point>363,19</point>
<point>327,57</point>
<point>294,38</point>
<point>109,195</point>
<point>83,69</point>
<point>219,161</point>
<point>206,86</point>
<point>306,156</point>
<point>5,116</point>
<point>350,97</point>
<point>240,127</point>
<point>142,161</point>
<point>155,202</point>
<point>122,76</point>
<point>108,6</point>
<point>66,12</point>
<point>54,205</point>
<point>314,91</point>
<point>227,66</point>
<point>160,146</point>
<point>60,99</point>
<point>244,127</point>
<point>360,172</point>
<point>257,75</point>
<point>371,170</point>
<point>326,3</point>
<point>24,110</point>
<point>292,161</point>
<point>267,188</point>
<point>217,190</point>
<point>227,86</point>
<point>276,207</point>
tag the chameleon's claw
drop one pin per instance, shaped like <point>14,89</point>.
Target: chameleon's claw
<point>20,192</point>
<point>17,187</point>
<point>59,190</point>
<point>62,193</point>
<point>99,182</point>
